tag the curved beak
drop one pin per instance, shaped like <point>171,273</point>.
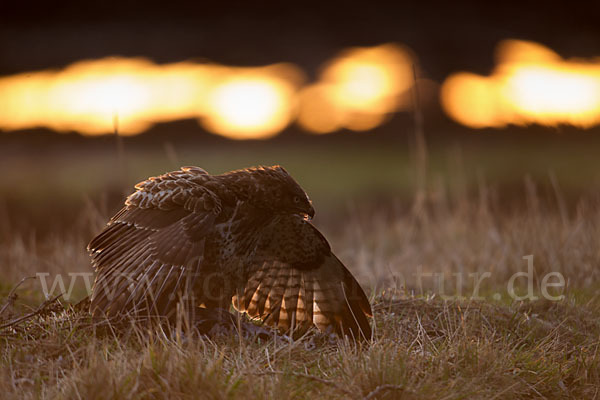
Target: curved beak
<point>308,212</point>
<point>311,211</point>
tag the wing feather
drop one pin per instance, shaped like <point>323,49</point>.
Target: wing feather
<point>296,282</point>
<point>154,246</point>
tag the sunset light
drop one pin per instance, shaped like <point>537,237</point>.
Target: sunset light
<point>86,96</point>
<point>530,84</point>
<point>253,104</point>
<point>357,89</point>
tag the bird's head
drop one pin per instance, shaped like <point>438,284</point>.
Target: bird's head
<point>275,190</point>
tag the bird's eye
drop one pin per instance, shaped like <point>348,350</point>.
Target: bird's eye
<point>296,199</point>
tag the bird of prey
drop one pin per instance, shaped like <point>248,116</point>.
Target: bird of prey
<point>191,240</point>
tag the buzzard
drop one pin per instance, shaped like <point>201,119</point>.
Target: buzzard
<point>194,241</point>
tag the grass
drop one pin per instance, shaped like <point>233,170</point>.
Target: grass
<point>422,349</point>
<point>439,330</point>
<point>424,346</point>
<point>331,172</point>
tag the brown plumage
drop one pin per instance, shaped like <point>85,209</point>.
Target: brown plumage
<point>193,239</point>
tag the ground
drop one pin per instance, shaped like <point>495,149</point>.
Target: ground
<point>437,268</point>
<point>422,349</point>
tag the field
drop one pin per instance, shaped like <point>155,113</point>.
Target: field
<point>437,251</point>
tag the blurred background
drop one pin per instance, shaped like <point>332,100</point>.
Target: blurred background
<point>366,104</point>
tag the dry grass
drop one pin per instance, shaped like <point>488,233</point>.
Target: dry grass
<point>423,347</point>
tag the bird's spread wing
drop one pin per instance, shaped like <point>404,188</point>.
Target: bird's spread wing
<point>154,246</point>
<point>295,282</point>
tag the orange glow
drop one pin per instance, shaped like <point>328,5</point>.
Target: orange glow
<point>357,89</point>
<point>251,104</point>
<point>318,112</point>
<point>530,84</point>
<point>84,97</point>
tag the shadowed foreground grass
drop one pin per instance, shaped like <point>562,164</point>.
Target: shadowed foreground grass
<point>422,349</point>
